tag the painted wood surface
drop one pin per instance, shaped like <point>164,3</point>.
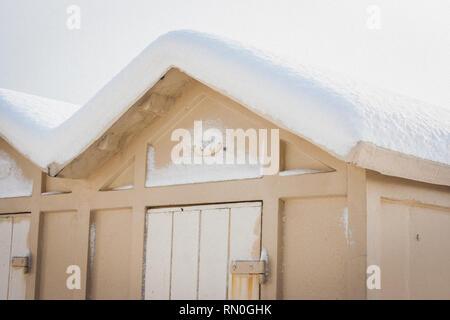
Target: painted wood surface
<point>13,243</point>
<point>109,278</point>
<point>245,244</point>
<point>185,255</point>
<point>213,254</point>
<point>19,248</point>
<point>189,251</point>
<point>158,253</point>
<point>5,255</point>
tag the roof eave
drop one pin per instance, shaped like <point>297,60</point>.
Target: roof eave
<point>392,163</point>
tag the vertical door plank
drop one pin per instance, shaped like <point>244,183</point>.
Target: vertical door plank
<point>213,254</point>
<point>245,244</point>
<point>158,255</point>
<point>185,255</point>
<point>19,248</point>
<point>5,255</point>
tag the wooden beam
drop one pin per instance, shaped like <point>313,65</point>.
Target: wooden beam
<point>85,218</point>
<point>309,185</point>
<point>271,241</point>
<point>137,251</point>
<point>58,202</point>
<point>284,187</point>
<point>357,224</point>
<point>35,223</point>
<point>15,205</point>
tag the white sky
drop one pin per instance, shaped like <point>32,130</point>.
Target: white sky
<point>409,54</point>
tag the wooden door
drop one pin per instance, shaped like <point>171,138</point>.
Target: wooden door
<point>189,251</point>
<point>13,243</point>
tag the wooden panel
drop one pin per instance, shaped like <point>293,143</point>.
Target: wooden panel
<point>429,254</point>
<point>185,255</point>
<point>189,250</point>
<point>110,269</point>
<point>19,248</point>
<point>5,255</point>
<point>158,255</point>
<point>58,250</point>
<point>395,258</point>
<point>213,254</point>
<point>315,241</point>
<point>245,244</point>
<point>415,251</point>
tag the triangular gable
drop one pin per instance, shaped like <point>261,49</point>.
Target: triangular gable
<point>334,114</point>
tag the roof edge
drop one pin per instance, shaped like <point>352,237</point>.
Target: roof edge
<point>393,163</point>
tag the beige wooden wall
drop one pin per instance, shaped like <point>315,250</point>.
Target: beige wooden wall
<point>409,238</point>
<point>313,225</point>
<point>110,253</point>
<point>59,234</point>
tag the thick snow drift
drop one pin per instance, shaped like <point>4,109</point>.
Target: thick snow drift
<point>332,112</point>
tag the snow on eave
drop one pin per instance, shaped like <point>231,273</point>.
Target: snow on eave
<point>26,119</point>
<point>332,113</point>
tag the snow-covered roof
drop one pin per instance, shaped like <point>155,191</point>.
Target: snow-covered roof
<point>333,112</point>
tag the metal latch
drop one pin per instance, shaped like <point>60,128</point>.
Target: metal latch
<point>259,267</point>
<point>21,262</point>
